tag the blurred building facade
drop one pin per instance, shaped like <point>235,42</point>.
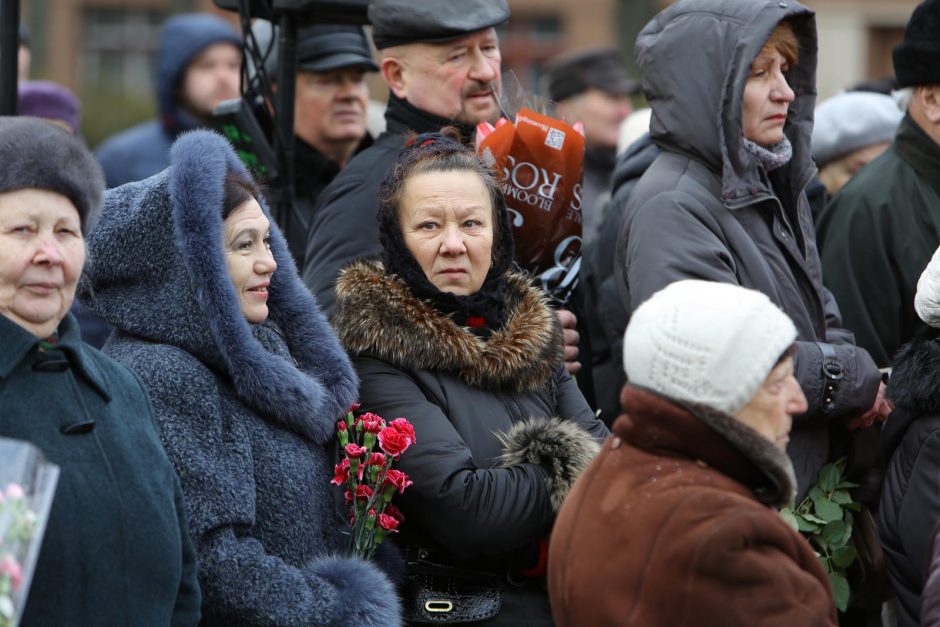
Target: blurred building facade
<point>104,49</point>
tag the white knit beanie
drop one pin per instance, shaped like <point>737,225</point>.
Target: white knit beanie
<point>707,343</point>
<point>927,298</point>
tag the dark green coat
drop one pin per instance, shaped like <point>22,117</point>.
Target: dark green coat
<point>877,236</point>
<point>116,550</point>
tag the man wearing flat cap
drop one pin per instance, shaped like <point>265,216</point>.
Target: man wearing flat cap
<point>441,62</point>
<point>593,86</point>
<point>329,111</point>
<point>879,232</point>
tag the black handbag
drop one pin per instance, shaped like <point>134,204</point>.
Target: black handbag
<point>438,593</point>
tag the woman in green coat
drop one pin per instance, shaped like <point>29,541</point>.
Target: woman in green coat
<point>116,550</point>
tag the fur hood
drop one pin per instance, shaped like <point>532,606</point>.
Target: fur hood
<point>157,271</point>
<point>376,314</point>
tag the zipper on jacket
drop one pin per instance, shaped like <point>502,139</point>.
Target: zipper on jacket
<point>514,408</point>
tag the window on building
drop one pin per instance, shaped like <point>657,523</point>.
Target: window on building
<point>881,43</point>
<point>119,47</point>
<point>526,43</point>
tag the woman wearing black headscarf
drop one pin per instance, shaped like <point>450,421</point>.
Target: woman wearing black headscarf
<point>443,332</point>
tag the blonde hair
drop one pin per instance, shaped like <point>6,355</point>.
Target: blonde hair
<point>784,41</point>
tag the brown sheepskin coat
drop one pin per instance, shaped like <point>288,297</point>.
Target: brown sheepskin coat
<point>673,525</point>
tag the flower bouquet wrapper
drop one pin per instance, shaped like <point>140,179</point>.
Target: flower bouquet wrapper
<point>27,487</point>
<point>540,162</point>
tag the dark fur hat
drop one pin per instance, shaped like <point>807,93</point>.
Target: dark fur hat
<point>917,60</point>
<point>37,154</point>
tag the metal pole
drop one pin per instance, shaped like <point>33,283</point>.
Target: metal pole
<point>284,115</point>
<point>9,54</point>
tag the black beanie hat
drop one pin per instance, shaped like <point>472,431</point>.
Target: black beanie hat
<point>38,154</point>
<point>917,60</point>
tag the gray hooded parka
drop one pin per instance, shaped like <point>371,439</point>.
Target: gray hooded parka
<point>708,209</point>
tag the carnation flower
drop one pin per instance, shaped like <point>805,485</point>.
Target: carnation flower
<point>394,512</point>
<point>388,523</point>
<point>354,451</point>
<point>393,441</point>
<point>371,423</point>
<point>397,480</point>
<point>402,425</point>
<point>341,473</point>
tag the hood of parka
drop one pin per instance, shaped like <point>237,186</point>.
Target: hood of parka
<point>157,271</point>
<point>695,58</point>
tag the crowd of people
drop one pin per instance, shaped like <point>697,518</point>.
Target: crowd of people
<point>759,299</point>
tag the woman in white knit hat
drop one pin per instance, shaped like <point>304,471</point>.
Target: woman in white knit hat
<point>674,523</point>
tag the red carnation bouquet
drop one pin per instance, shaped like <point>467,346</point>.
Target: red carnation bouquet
<point>369,478</point>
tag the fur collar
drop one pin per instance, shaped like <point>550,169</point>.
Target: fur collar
<point>174,288</point>
<point>664,426</point>
<point>376,314</point>
<point>915,377</point>
<point>914,388</point>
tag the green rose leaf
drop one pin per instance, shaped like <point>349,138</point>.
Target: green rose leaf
<point>829,477</point>
<point>790,518</point>
<point>833,532</point>
<point>806,526</point>
<point>840,590</point>
<point>827,510</point>
<point>815,519</point>
<point>844,556</point>
<point>842,497</point>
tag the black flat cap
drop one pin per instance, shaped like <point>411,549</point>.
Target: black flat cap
<point>601,68</point>
<point>320,48</point>
<point>324,47</point>
<point>397,22</point>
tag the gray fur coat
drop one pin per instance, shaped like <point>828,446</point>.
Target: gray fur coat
<point>245,412</point>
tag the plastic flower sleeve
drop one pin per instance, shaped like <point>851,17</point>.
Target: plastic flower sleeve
<point>27,487</point>
<point>539,161</point>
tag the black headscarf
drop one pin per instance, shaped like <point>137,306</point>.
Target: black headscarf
<point>481,311</point>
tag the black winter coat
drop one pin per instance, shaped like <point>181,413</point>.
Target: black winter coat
<point>313,172</point>
<point>609,316</point>
<point>343,226</point>
<point>708,209</point>
<point>877,236</point>
<point>473,501</point>
<point>910,500</point>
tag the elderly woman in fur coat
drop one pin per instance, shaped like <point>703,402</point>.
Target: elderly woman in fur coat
<point>444,333</point>
<point>247,381</point>
<point>674,524</point>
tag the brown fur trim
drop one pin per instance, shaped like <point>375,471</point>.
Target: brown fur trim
<point>376,314</point>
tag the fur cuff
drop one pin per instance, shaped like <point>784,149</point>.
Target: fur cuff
<point>363,595</point>
<point>559,446</point>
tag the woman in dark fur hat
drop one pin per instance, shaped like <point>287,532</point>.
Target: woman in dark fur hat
<point>115,551</point>
<point>445,333</point>
<point>247,381</point>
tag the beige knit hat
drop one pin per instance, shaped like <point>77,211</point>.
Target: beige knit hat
<point>707,343</point>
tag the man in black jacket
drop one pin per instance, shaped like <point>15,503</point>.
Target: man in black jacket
<point>878,233</point>
<point>329,111</point>
<point>441,61</point>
